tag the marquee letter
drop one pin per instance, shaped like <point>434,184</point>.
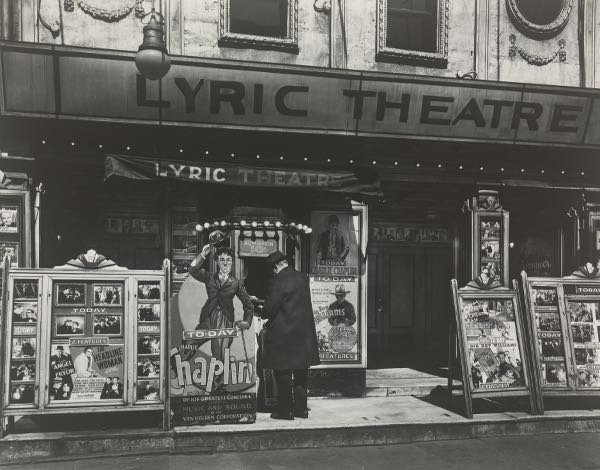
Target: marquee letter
<point>358,96</point>
<point>280,96</point>
<point>195,172</point>
<point>177,171</point>
<point>382,104</point>
<point>471,112</point>
<point>535,111</point>
<point>188,93</point>
<point>140,88</point>
<point>497,104</point>
<point>234,94</point>
<point>427,108</point>
<point>558,115</point>
<point>216,176</point>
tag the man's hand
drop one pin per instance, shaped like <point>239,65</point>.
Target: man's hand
<point>205,250</point>
<point>242,325</point>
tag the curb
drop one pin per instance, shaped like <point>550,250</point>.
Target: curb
<point>27,448</point>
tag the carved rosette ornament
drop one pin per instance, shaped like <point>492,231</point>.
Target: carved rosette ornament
<point>542,20</point>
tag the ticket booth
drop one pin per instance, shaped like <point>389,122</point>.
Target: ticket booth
<point>85,337</point>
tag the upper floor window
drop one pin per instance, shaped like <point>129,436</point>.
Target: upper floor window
<point>539,20</point>
<point>264,24</point>
<point>413,31</point>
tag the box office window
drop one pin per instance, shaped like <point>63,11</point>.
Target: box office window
<point>260,24</point>
<point>413,31</point>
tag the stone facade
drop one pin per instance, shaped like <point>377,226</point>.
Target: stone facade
<point>481,36</point>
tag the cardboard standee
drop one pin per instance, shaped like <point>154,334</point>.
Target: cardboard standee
<point>489,332</point>
<point>564,318</point>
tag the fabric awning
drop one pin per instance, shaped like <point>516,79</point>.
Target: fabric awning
<point>239,175</point>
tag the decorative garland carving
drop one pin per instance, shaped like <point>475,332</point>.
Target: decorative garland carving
<point>539,31</point>
<point>110,16</point>
<point>534,59</point>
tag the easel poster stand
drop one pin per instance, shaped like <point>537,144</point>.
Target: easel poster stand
<point>491,343</point>
<point>564,314</point>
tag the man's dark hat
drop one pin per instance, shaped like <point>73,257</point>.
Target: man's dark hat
<point>216,237</point>
<point>60,347</point>
<point>276,257</point>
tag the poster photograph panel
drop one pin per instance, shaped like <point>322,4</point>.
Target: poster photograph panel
<point>24,347</point>
<point>554,374</point>
<point>544,297</point>
<point>148,367</point>
<point>12,250</point>
<point>148,312</point>
<point>148,390</point>
<point>149,291</point>
<point>334,243</point>
<point>69,294</point>
<point>108,295</point>
<point>25,312</point>
<point>334,303</point>
<point>22,371</point>
<point>494,357</point>
<point>148,345</point>
<point>9,216</point>
<point>107,325</point>
<point>25,289</point>
<point>69,325</point>
<point>21,393</point>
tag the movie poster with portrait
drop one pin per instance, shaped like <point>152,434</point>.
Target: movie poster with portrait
<point>334,243</point>
<point>212,373</point>
<point>495,359</point>
<point>86,369</point>
<point>335,310</point>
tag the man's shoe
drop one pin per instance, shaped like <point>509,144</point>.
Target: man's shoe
<point>288,416</point>
<point>301,414</point>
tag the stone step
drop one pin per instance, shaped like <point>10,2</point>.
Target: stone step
<point>401,382</point>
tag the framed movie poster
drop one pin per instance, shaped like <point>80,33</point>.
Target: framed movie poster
<point>334,244</point>
<point>491,341</point>
<point>335,305</point>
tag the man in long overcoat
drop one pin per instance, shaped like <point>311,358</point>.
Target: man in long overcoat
<point>290,345</point>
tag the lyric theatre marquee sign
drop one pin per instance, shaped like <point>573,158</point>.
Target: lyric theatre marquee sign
<point>64,82</point>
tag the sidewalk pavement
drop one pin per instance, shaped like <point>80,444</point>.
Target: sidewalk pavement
<point>332,422</point>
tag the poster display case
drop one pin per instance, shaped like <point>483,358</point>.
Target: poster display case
<point>492,344</point>
<point>564,314</point>
<point>88,336</point>
<point>337,277</point>
<point>487,235</point>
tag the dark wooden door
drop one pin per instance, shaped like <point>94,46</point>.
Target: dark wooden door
<point>408,305</point>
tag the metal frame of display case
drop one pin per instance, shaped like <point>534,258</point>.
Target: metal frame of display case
<point>558,284</point>
<point>46,279</point>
